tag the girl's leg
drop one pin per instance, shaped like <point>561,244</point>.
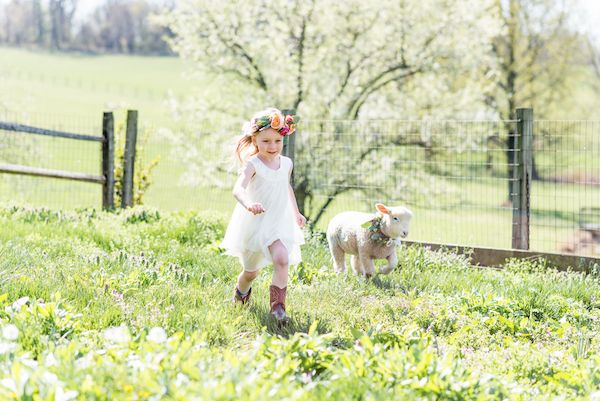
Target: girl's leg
<point>279,254</point>
<point>278,289</point>
<point>243,287</point>
<point>245,280</point>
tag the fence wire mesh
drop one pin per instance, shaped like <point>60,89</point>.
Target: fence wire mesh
<point>565,199</point>
<point>51,153</point>
<point>195,169</point>
<point>454,175</point>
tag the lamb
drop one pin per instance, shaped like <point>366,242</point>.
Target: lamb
<point>366,237</point>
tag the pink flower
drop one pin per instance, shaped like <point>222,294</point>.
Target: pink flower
<point>284,131</point>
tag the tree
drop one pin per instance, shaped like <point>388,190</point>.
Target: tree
<point>20,22</point>
<point>594,58</point>
<point>335,60</point>
<point>61,22</point>
<point>119,26</point>
<point>38,22</point>
<point>534,53</point>
<point>124,26</point>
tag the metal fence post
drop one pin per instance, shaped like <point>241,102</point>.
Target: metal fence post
<point>521,189</point>
<point>289,142</point>
<point>129,158</point>
<point>108,161</point>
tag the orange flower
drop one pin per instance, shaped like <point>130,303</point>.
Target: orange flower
<point>277,121</point>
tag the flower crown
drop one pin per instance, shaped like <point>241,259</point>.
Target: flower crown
<point>273,119</point>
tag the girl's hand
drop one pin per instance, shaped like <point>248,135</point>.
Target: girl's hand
<point>301,220</point>
<point>256,208</point>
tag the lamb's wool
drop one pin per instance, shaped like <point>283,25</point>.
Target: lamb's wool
<point>348,233</point>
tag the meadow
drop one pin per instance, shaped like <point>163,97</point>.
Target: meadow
<point>136,305</point>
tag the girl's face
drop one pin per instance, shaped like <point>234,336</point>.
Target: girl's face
<point>269,143</point>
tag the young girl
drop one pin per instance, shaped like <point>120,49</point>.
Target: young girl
<point>265,225</point>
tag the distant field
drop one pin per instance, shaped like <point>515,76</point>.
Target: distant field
<point>47,84</point>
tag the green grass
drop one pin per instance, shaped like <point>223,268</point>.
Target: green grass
<point>137,305</point>
<point>47,84</point>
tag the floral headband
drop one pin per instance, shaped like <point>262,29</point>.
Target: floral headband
<point>274,119</point>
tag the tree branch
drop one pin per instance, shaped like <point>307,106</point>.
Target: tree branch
<point>239,50</point>
<point>594,58</point>
<point>352,47</point>
<point>359,102</point>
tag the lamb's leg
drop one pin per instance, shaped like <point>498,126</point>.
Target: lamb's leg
<point>356,265</point>
<point>392,262</point>
<point>339,258</point>
<point>367,265</point>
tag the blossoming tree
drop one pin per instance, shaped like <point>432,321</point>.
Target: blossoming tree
<point>332,60</point>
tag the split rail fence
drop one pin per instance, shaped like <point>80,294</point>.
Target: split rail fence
<point>106,178</point>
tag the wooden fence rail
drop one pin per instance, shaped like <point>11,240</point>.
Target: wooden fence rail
<point>107,178</point>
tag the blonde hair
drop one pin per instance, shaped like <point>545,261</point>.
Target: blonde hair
<point>246,147</point>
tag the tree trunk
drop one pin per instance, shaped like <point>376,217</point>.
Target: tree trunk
<point>535,174</point>
<point>38,20</point>
<point>302,193</point>
<point>55,28</point>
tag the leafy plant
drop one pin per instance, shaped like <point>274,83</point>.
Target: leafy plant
<point>142,169</point>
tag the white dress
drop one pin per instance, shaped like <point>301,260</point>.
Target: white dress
<point>248,236</point>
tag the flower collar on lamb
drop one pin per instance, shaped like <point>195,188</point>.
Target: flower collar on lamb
<point>273,119</point>
<point>375,233</point>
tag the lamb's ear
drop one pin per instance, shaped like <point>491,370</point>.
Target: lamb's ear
<point>381,207</point>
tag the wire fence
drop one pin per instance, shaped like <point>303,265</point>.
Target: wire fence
<point>50,153</point>
<point>456,176</point>
<point>566,186</point>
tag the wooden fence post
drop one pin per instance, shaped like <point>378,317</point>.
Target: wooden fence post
<point>108,161</point>
<point>289,142</point>
<point>521,189</point>
<point>129,159</point>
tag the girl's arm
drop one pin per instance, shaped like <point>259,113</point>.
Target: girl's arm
<point>239,190</point>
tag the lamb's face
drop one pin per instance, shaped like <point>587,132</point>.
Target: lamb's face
<point>396,222</point>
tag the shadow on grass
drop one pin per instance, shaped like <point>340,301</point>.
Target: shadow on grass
<point>565,216</point>
<point>295,323</point>
<point>383,282</point>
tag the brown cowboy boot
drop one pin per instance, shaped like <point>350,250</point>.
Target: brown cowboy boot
<point>277,303</point>
<point>242,298</point>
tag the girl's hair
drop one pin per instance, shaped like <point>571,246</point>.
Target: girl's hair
<point>245,147</point>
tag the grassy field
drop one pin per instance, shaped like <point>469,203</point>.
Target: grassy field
<point>136,305</point>
<point>42,85</point>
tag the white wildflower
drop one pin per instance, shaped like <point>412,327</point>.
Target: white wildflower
<point>157,335</point>
<point>118,334</point>
<point>10,332</point>
<point>61,395</point>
